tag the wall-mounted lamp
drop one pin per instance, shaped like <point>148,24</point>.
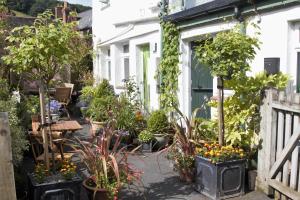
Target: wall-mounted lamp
<point>155,48</point>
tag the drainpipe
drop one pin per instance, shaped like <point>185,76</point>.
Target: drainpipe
<point>238,16</point>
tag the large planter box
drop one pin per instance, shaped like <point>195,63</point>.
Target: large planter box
<point>56,189</point>
<point>221,180</point>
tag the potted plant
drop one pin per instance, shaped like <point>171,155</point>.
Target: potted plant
<point>227,60</point>
<point>146,137</point>
<point>47,184</point>
<point>108,169</point>
<point>220,170</point>
<point>182,149</point>
<point>101,100</point>
<point>159,126</point>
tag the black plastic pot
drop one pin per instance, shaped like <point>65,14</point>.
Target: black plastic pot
<point>146,147</point>
<point>59,190</point>
<point>161,140</point>
<point>221,180</point>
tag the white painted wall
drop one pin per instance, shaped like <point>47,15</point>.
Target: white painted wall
<point>280,37</point>
<point>132,22</point>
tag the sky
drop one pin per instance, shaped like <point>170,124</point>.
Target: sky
<point>83,2</point>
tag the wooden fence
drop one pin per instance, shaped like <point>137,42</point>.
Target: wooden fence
<point>7,181</point>
<point>278,160</point>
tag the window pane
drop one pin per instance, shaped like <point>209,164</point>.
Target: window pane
<point>108,52</point>
<point>126,68</point>
<point>109,69</point>
<point>126,48</point>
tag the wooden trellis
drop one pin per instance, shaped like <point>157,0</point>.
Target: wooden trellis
<point>278,160</point>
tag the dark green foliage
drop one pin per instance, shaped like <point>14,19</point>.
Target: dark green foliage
<point>19,142</point>
<point>102,101</point>
<point>100,108</point>
<point>4,91</point>
<point>145,136</point>
<point>29,105</point>
<point>158,122</point>
<point>34,7</point>
<point>104,89</point>
<point>168,70</point>
<point>205,129</point>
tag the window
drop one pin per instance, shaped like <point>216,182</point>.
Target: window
<point>108,65</point>
<point>125,62</point>
<point>126,68</point>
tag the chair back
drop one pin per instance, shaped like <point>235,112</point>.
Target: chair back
<point>35,123</point>
<point>63,94</point>
<point>69,85</point>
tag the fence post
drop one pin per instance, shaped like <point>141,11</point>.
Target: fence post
<point>264,154</point>
<point>7,183</point>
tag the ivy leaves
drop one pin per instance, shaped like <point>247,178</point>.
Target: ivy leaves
<point>168,68</point>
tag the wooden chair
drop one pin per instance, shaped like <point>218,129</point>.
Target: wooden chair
<point>36,142</point>
<point>63,96</point>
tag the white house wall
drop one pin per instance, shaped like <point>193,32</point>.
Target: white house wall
<point>279,38</point>
<point>131,22</point>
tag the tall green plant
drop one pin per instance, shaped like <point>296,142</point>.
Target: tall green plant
<point>242,116</point>
<point>168,70</point>
<point>228,55</point>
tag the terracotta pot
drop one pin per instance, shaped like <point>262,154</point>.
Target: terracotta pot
<point>186,175</point>
<point>95,194</point>
<point>96,126</point>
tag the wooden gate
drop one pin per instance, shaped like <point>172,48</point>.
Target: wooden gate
<point>278,160</point>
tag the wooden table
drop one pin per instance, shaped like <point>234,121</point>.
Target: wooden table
<point>65,126</point>
<point>61,126</point>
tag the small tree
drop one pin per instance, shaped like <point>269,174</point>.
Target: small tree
<point>42,50</point>
<point>228,56</point>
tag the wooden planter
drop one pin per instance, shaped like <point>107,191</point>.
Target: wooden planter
<point>221,180</point>
<point>58,189</point>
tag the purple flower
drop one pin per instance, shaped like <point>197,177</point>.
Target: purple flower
<point>123,133</point>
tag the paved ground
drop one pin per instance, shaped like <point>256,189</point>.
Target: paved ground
<point>160,182</point>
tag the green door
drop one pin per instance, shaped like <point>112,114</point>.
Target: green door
<point>146,87</point>
<point>202,85</point>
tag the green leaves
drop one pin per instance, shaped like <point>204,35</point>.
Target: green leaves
<point>227,54</point>
<point>42,49</point>
<point>242,116</point>
<point>168,71</point>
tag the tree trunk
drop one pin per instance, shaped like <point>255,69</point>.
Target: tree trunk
<point>221,110</point>
<point>43,122</point>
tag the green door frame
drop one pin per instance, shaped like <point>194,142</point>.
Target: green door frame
<point>145,51</point>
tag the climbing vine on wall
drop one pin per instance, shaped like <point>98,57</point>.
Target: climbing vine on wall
<point>168,71</point>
